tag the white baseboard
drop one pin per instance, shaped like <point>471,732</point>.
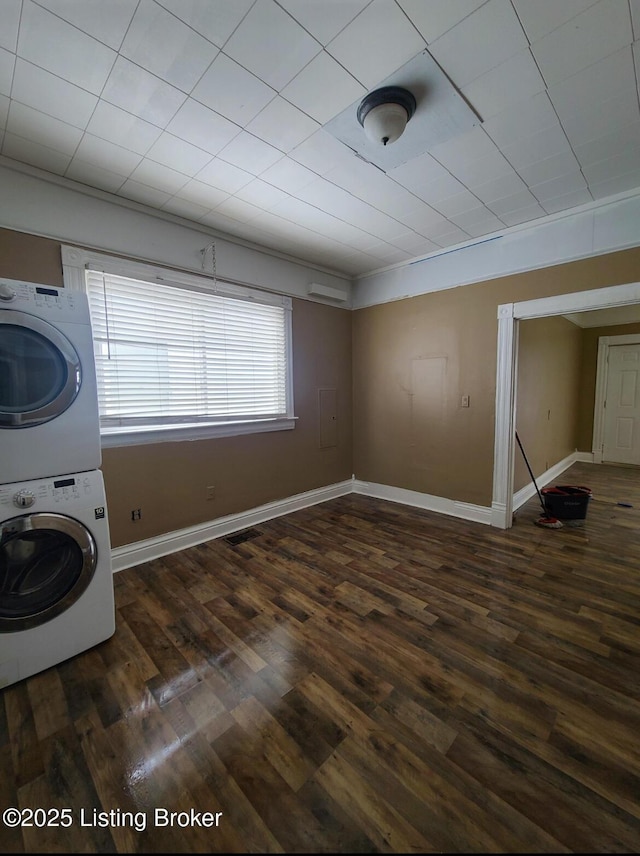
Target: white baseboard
<point>525,493</point>
<point>464,510</point>
<point>170,542</point>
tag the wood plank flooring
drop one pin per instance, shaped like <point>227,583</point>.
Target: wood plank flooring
<point>359,676</point>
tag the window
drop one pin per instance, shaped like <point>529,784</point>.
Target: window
<point>188,359</point>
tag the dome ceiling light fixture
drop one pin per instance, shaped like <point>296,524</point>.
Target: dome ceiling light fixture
<point>384,113</point>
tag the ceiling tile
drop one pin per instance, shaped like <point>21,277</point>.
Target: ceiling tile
<point>250,153</point>
<point>415,244</point>
<point>442,187</point>
<point>159,176</point>
<point>84,61</point>
<point>27,151</point>
<point>282,125</point>
<point>238,209</point>
<point>94,176</point>
<point>618,165</point>
<point>569,200</point>
<point>479,221</point>
<point>259,193</point>
<point>323,18</point>
<point>543,16</point>
<point>544,144</point>
<point>434,18</point>
<point>202,127</point>
<point>232,91</point>
<point>548,168</point>
<point>178,154</point>
<point>142,93</point>
<point>509,83</point>
<point>499,188</point>
<point>418,172</point>
<point>36,126</point>
<point>523,215</point>
<point>197,14</point>
<point>143,193</point>
<point>516,202</point>
<point>101,152</point>
<point>224,176</point>
<point>598,83</point>
<point>558,186</point>
<point>322,152</point>
<point>457,204</point>
<point>615,184</point>
<point>609,145</point>
<point>364,47</point>
<point>635,18</point>
<point>10,23</point>
<point>184,208</point>
<point>323,88</point>
<point>288,175</point>
<point>278,58</point>
<point>520,121</point>
<point>464,149</point>
<point>106,22</point>
<point>484,169</point>
<point>116,125</point>
<point>46,92</point>
<point>202,193</point>
<point>604,118</point>
<point>4,111</point>
<point>7,63</point>
<point>151,30</point>
<point>480,42</point>
<point>599,31</point>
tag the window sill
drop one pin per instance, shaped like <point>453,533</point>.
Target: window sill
<point>113,437</point>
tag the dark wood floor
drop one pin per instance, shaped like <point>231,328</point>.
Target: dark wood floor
<point>358,676</point>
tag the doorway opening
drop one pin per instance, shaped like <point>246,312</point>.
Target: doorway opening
<point>509,316</point>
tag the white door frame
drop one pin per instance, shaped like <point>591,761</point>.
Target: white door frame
<point>509,316</point>
<point>602,376</point>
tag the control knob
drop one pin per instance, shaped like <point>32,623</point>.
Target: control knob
<point>6,292</point>
<point>24,498</point>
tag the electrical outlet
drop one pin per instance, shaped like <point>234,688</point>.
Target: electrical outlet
<point>136,514</point>
<point>464,401</point>
<point>211,492</point>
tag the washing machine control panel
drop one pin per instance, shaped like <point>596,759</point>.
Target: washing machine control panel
<point>45,301</point>
<point>56,493</point>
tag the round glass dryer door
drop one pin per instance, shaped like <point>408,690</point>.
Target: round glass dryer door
<point>40,371</point>
<point>46,563</point>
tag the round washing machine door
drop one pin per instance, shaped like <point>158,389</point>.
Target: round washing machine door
<point>46,563</point>
<point>40,371</point>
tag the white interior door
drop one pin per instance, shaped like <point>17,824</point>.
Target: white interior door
<point>622,406</point>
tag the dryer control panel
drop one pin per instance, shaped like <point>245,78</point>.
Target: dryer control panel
<point>56,493</point>
<point>46,301</point>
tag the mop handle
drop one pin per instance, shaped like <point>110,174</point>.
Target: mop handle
<point>533,478</point>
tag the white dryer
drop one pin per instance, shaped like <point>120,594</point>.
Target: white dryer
<point>56,581</point>
<point>49,420</point>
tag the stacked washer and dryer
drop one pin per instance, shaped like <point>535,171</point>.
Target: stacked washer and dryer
<point>56,583</point>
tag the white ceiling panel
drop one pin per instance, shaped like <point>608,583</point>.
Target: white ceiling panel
<point>216,27</point>
<point>51,95</point>
<point>223,112</point>
<point>600,30</point>
<point>151,29</point>
<point>278,58</point>
<point>107,22</point>
<point>324,19</point>
<point>7,64</point>
<point>480,42</point>
<point>232,91</point>
<point>86,62</point>
<point>364,47</point>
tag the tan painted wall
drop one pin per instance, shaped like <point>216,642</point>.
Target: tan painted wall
<point>548,392</point>
<point>409,431</point>
<point>167,480</point>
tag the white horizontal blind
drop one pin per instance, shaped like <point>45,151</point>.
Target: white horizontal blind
<point>167,354</point>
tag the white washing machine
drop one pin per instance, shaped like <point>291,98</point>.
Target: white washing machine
<point>56,580</point>
<point>49,420</point>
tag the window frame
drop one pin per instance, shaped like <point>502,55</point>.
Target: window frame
<point>75,262</point>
